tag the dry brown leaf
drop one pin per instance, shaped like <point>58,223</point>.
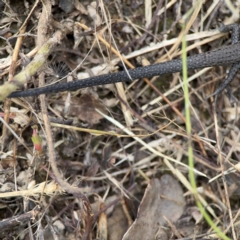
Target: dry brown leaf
<point>196,214</point>
<point>19,116</point>
<point>117,224</point>
<point>162,197</point>
<point>8,163</point>
<point>84,108</point>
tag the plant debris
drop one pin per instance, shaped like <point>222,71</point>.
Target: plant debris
<point>111,162</point>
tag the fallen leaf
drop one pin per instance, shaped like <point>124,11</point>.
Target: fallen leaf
<point>84,108</point>
<point>162,199</point>
<point>117,224</point>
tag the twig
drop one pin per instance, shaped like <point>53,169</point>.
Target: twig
<point>52,156</point>
<point>7,103</point>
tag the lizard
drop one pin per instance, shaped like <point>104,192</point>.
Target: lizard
<point>223,56</point>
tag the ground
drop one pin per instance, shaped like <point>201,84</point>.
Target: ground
<point>115,161</point>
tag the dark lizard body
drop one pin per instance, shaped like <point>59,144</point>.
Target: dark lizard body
<point>223,56</point>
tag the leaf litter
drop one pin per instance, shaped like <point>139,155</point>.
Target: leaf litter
<point>124,179</point>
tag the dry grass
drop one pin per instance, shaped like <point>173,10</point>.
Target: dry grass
<point>83,173</point>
